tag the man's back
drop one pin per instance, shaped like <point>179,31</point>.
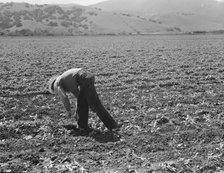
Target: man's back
<point>68,80</point>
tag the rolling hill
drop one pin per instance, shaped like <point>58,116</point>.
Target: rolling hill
<point>112,17</point>
<point>187,15</point>
<point>27,19</point>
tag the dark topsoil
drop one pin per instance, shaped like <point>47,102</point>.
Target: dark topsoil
<point>166,91</point>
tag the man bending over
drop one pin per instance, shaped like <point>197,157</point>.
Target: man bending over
<point>81,85</point>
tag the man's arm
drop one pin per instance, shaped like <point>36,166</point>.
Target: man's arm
<point>64,98</point>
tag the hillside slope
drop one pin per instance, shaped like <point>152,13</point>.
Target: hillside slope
<point>188,15</point>
<point>113,17</point>
<point>27,19</point>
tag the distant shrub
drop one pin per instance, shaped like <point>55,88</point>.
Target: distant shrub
<point>75,25</point>
<point>155,21</point>
<point>170,29</point>
<point>40,6</point>
<point>37,14</point>
<point>75,11</point>
<point>218,32</point>
<point>54,9</point>
<point>24,32</point>
<point>70,31</point>
<point>7,14</point>
<point>27,17</point>
<point>4,24</point>
<point>78,19</point>
<point>177,29</point>
<point>52,24</point>
<point>63,17</point>
<point>52,17</point>
<point>27,5</point>
<point>18,24</point>
<point>40,32</point>
<point>142,18</point>
<point>110,34</point>
<point>124,14</point>
<point>93,14</point>
<point>98,9</point>
<point>17,17</point>
<point>187,14</point>
<point>174,29</point>
<point>85,26</point>
<point>66,23</point>
<point>199,32</point>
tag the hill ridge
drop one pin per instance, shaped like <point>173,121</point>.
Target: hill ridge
<point>27,19</point>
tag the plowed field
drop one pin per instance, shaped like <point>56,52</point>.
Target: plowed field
<point>167,91</point>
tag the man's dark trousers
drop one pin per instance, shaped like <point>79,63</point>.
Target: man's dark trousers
<point>88,97</point>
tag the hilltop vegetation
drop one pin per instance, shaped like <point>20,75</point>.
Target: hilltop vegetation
<point>26,19</point>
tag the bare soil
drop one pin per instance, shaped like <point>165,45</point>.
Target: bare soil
<point>167,91</point>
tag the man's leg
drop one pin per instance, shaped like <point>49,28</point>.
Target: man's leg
<point>86,82</point>
<point>82,110</point>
